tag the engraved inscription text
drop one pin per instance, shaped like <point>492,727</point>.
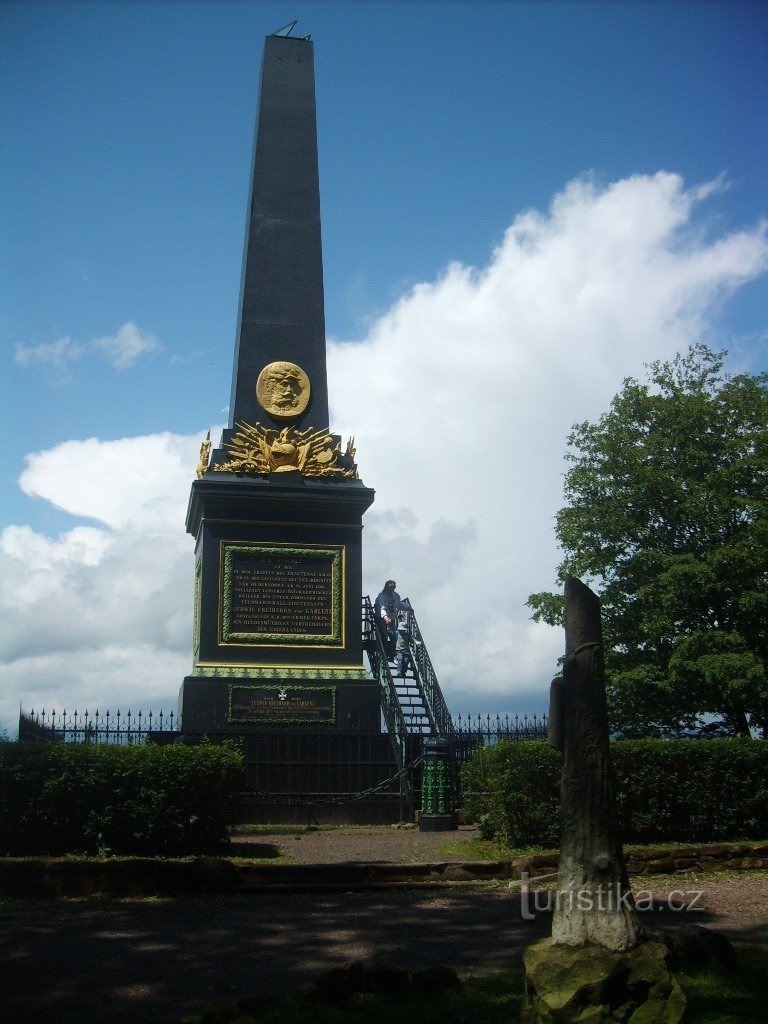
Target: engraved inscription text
<point>286,595</point>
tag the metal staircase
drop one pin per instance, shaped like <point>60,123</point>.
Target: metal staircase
<point>412,701</point>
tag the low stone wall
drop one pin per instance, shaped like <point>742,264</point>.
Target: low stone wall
<point>138,876</point>
<point>667,861</point>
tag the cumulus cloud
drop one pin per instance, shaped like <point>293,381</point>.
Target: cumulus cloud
<point>472,382</point>
<point>120,350</point>
<point>101,615</point>
<point>138,481</point>
<point>460,398</point>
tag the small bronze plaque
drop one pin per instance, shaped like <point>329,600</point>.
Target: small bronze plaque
<point>282,704</point>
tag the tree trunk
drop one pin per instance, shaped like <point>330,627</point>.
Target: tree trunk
<point>738,721</point>
<point>594,902</point>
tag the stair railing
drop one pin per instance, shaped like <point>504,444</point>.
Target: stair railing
<point>428,679</point>
<point>390,704</point>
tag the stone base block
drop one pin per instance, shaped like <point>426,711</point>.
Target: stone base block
<point>320,701</point>
<point>593,985</point>
<point>438,822</point>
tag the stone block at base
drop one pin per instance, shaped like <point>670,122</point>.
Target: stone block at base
<point>438,822</point>
<point>593,985</point>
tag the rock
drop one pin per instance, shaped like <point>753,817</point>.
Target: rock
<point>436,980</point>
<point>456,873</point>
<point>695,948</point>
<point>341,982</point>
<point>386,979</point>
<point>307,991</point>
<point>219,1014</point>
<point>660,866</point>
<point>593,985</point>
<point>213,874</point>
<point>260,1002</point>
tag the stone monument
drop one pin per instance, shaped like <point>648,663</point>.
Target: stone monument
<point>276,509</point>
<point>598,966</point>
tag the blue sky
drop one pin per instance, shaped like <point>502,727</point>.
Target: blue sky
<point>126,133</point>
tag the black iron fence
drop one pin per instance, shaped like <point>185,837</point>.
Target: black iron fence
<point>121,728</point>
<point>127,728</point>
<point>473,731</point>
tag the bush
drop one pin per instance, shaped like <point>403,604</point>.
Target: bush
<point>512,791</point>
<point>668,791</point>
<point>151,800</point>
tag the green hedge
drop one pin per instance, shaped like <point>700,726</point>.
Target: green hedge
<point>64,798</point>
<point>668,791</point>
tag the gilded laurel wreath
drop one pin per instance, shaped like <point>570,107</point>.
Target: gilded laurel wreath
<point>255,449</point>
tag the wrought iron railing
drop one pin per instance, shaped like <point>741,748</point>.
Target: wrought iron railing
<point>428,677</point>
<point>120,728</point>
<point>390,704</point>
<point>473,731</point>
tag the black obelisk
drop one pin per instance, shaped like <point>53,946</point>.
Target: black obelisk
<point>277,509</point>
<point>281,295</point>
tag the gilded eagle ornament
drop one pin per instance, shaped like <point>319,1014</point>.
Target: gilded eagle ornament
<point>314,453</point>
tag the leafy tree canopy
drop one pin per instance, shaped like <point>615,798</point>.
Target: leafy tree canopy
<point>666,516</point>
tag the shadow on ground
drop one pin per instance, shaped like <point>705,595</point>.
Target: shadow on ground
<point>93,961</point>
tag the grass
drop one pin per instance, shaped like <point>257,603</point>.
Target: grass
<point>493,999</point>
<point>738,999</point>
<point>474,849</point>
<point>489,849</point>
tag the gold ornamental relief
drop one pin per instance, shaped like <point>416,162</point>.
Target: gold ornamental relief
<point>313,453</point>
<point>283,390</point>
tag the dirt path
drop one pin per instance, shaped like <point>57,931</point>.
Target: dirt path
<point>374,844</point>
<point>93,962</point>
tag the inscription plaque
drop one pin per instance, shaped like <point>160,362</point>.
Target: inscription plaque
<point>281,595</point>
<point>282,704</point>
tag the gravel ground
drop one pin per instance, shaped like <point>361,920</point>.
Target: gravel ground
<point>121,961</point>
<point>375,844</point>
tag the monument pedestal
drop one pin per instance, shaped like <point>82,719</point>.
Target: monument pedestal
<point>277,637</point>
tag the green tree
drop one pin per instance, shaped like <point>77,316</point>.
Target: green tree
<point>666,516</point>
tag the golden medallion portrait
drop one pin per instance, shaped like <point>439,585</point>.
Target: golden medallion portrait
<point>283,390</point>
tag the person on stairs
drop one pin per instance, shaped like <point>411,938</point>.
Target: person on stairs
<point>385,610</point>
<point>403,645</point>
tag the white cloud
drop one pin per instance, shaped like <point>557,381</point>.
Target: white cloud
<point>460,398</point>
<point>51,353</point>
<point>137,481</point>
<point>121,350</point>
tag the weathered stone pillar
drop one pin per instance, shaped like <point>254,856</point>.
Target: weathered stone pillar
<point>596,967</point>
<point>594,902</point>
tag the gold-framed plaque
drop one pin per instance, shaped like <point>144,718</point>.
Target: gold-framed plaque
<point>281,595</point>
